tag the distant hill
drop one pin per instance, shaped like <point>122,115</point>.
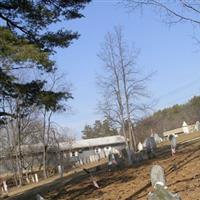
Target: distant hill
<point>169,118</point>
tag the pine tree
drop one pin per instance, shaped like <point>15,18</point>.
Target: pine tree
<point>99,129</point>
<point>26,41</point>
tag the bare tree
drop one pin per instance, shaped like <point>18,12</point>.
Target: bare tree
<point>29,125</point>
<point>173,11</point>
<point>122,85</point>
<point>17,132</point>
<point>55,84</point>
<point>60,135</point>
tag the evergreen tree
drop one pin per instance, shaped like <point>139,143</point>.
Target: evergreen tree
<point>27,41</point>
<point>87,132</point>
<point>99,129</point>
<point>31,20</point>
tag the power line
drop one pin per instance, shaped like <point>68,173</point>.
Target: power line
<point>179,89</point>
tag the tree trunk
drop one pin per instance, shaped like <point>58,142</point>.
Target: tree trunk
<point>19,174</point>
<point>19,156</point>
<point>132,137</point>
<point>45,162</point>
<point>127,144</point>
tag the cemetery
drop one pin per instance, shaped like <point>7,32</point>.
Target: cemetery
<point>76,153</point>
<point>99,100</point>
<point>180,176</point>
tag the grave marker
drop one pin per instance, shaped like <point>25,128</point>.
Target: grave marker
<point>159,184</point>
<point>5,187</point>
<point>38,197</point>
<point>36,178</point>
<point>140,146</point>
<point>197,126</point>
<point>27,180</point>
<point>92,178</point>
<point>32,178</point>
<point>185,128</point>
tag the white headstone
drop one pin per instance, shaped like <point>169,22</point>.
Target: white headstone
<point>36,178</point>
<point>157,138</point>
<point>27,180</point>
<point>184,124</point>
<point>59,169</point>
<point>90,158</point>
<point>157,176</point>
<point>144,143</point>
<point>81,161</point>
<point>95,184</point>
<point>32,178</point>
<point>158,182</point>
<point>5,187</point>
<point>140,146</point>
<point>38,197</point>
<point>185,128</point>
<point>197,126</point>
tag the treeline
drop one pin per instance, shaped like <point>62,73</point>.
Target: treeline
<point>169,118</point>
<point>99,129</point>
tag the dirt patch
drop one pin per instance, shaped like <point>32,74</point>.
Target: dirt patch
<point>182,174</point>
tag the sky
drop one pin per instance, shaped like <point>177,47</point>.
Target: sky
<point>170,52</point>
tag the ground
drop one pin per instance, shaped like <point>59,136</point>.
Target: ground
<point>182,176</point>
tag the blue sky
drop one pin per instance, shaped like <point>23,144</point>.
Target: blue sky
<point>170,51</point>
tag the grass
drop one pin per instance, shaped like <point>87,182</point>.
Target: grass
<point>182,138</point>
<point>16,191</point>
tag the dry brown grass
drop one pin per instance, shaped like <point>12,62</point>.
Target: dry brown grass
<point>182,138</point>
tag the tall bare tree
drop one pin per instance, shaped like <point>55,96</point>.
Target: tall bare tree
<point>24,126</point>
<point>60,135</point>
<point>121,85</point>
<point>17,132</point>
<point>54,104</point>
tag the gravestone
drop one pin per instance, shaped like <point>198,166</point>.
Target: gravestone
<point>60,170</point>
<point>27,180</point>
<point>36,178</point>
<point>157,176</point>
<point>140,146</point>
<point>32,178</point>
<point>5,187</point>
<point>38,197</point>
<point>159,184</point>
<point>81,161</point>
<point>185,128</point>
<point>157,138</point>
<point>92,178</point>
<point>76,153</point>
<point>197,126</point>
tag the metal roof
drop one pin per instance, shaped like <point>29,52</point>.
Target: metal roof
<point>77,144</point>
<point>94,142</point>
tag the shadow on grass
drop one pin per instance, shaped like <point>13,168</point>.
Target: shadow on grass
<point>48,187</point>
<point>66,186</point>
<point>163,154</point>
<point>88,189</point>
